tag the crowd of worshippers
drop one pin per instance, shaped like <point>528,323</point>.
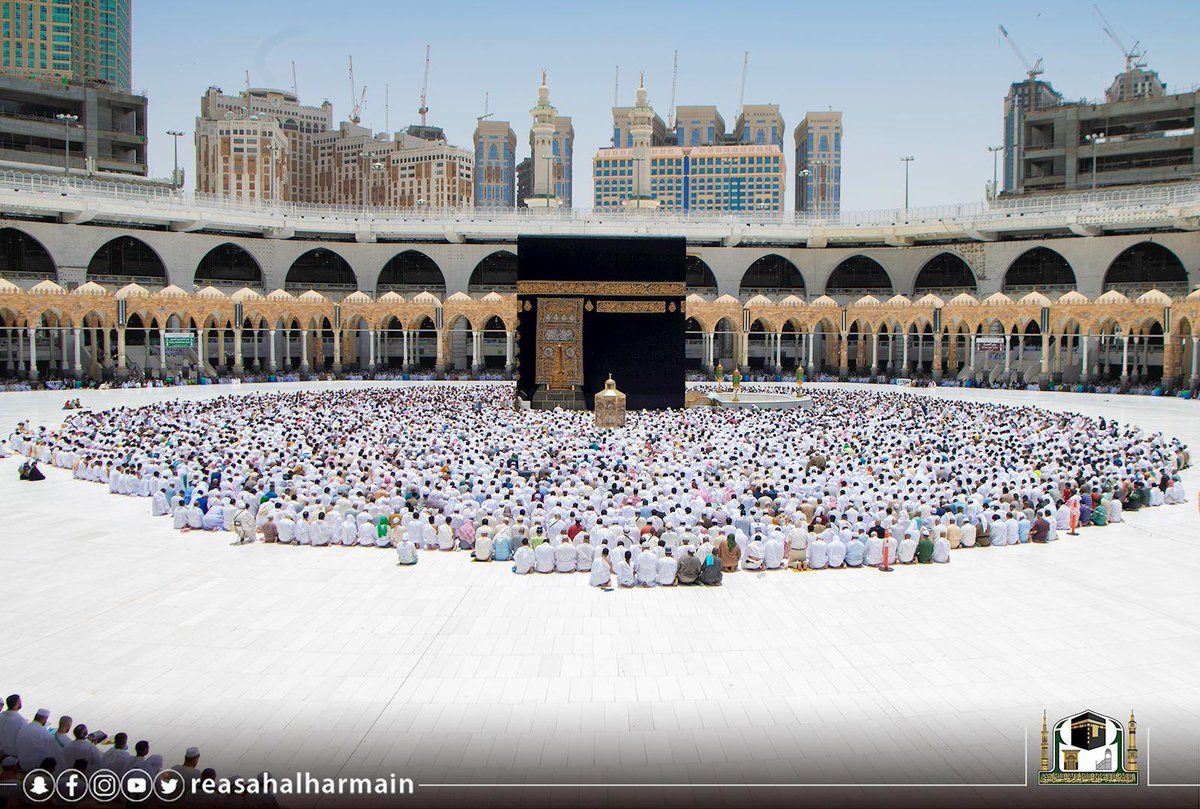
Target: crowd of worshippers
<point>455,467</point>
<point>37,743</point>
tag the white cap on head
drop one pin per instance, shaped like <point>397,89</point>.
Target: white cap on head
<point>192,752</point>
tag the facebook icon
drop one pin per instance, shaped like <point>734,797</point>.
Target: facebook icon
<point>71,786</point>
<point>38,786</point>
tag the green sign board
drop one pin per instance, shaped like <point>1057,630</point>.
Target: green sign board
<point>179,340</point>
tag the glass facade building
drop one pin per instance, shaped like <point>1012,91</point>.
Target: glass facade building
<point>67,40</point>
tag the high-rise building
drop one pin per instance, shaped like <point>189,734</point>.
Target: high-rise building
<point>300,125</point>
<point>495,164</point>
<point>1135,82</point>
<point>716,174</point>
<point>698,126</point>
<point>760,124</point>
<point>818,139</point>
<point>67,40</point>
<point>1023,97</point>
<point>243,157</point>
<point>524,181</point>
<point>356,167</point>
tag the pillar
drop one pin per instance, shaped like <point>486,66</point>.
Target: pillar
<point>337,351</point>
<point>475,359</point>
<point>371,350</point>
<point>287,349</point>
<point>937,356</point>
<point>304,351</point>
<point>162,351</point>
<point>810,338</point>
<point>1044,375</point>
<point>874,354</point>
<point>904,355</point>
<point>404,349</point>
<point>271,350</point>
<point>121,349</point>
<point>78,355</point>
<point>843,355</point>
<point>439,371</point>
<point>237,351</point>
<point>1084,374</point>
<point>509,344</point>
<point>33,369</point>
<point>1124,361</point>
<point>1195,381</point>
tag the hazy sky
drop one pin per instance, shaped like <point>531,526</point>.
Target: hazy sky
<point>919,78</point>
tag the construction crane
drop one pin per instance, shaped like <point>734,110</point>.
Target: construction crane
<point>356,100</point>
<point>742,94</point>
<point>617,86</point>
<point>486,113</point>
<point>1033,71</point>
<point>674,79</point>
<point>424,108</point>
<point>1133,56</point>
<point>295,86</point>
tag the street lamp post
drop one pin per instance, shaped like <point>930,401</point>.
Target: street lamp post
<point>802,177</point>
<point>176,135</point>
<point>1094,138</point>
<point>68,122</point>
<point>995,150</point>
<point>906,160</point>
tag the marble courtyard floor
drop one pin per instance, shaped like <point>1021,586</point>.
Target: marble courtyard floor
<point>337,660</point>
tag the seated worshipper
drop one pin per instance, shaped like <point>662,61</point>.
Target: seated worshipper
<point>773,553</point>
<point>158,504</point>
<point>502,549</point>
<point>1174,494</point>
<point>1099,514</point>
<point>907,550</point>
<point>667,571</point>
<point>837,552</point>
<point>818,552</point>
<point>406,551</point>
<point>689,566</point>
<point>321,532</point>
<point>729,553</point>
<point>214,518</point>
<point>624,570</point>
<point>1039,531</point>
<point>925,548</point>
<point>966,536</point>
<point>856,550</point>
<point>874,557</point>
<point>645,567</point>
<point>602,570</point>
<point>179,515</point>
<point>35,743</point>
<point>941,550</point>
<point>385,536</point>
<point>755,552</point>
<point>483,548</point>
<point>523,559</point>
<point>710,572</point>
<point>29,471</point>
<point>565,557</point>
<point>584,553</point>
<point>544,558</point>
<point>1114,507</point>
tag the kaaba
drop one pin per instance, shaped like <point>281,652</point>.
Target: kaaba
<point>589,307</point>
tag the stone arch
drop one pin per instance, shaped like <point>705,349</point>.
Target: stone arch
<point>1038,268</point>
<point>320,268</point>
<point>409,273</point>
<point>229,264</point>
<point>857,273</point>
<point>700,278</point>
<point>1144,266</point>
<point>23,256</point>
<point>496,271</point>
<point>125,260</point>
<point>772,274</point>
<point>946,272</point>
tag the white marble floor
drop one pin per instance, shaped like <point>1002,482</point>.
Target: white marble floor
<point>450,672</point>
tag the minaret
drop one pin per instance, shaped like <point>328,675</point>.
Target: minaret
<point>641,132</point>
<point>542,193</point>
<point>1045,746</point>
<point>1131,762</point>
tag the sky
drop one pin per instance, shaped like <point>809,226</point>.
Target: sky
<point>925,79</point>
